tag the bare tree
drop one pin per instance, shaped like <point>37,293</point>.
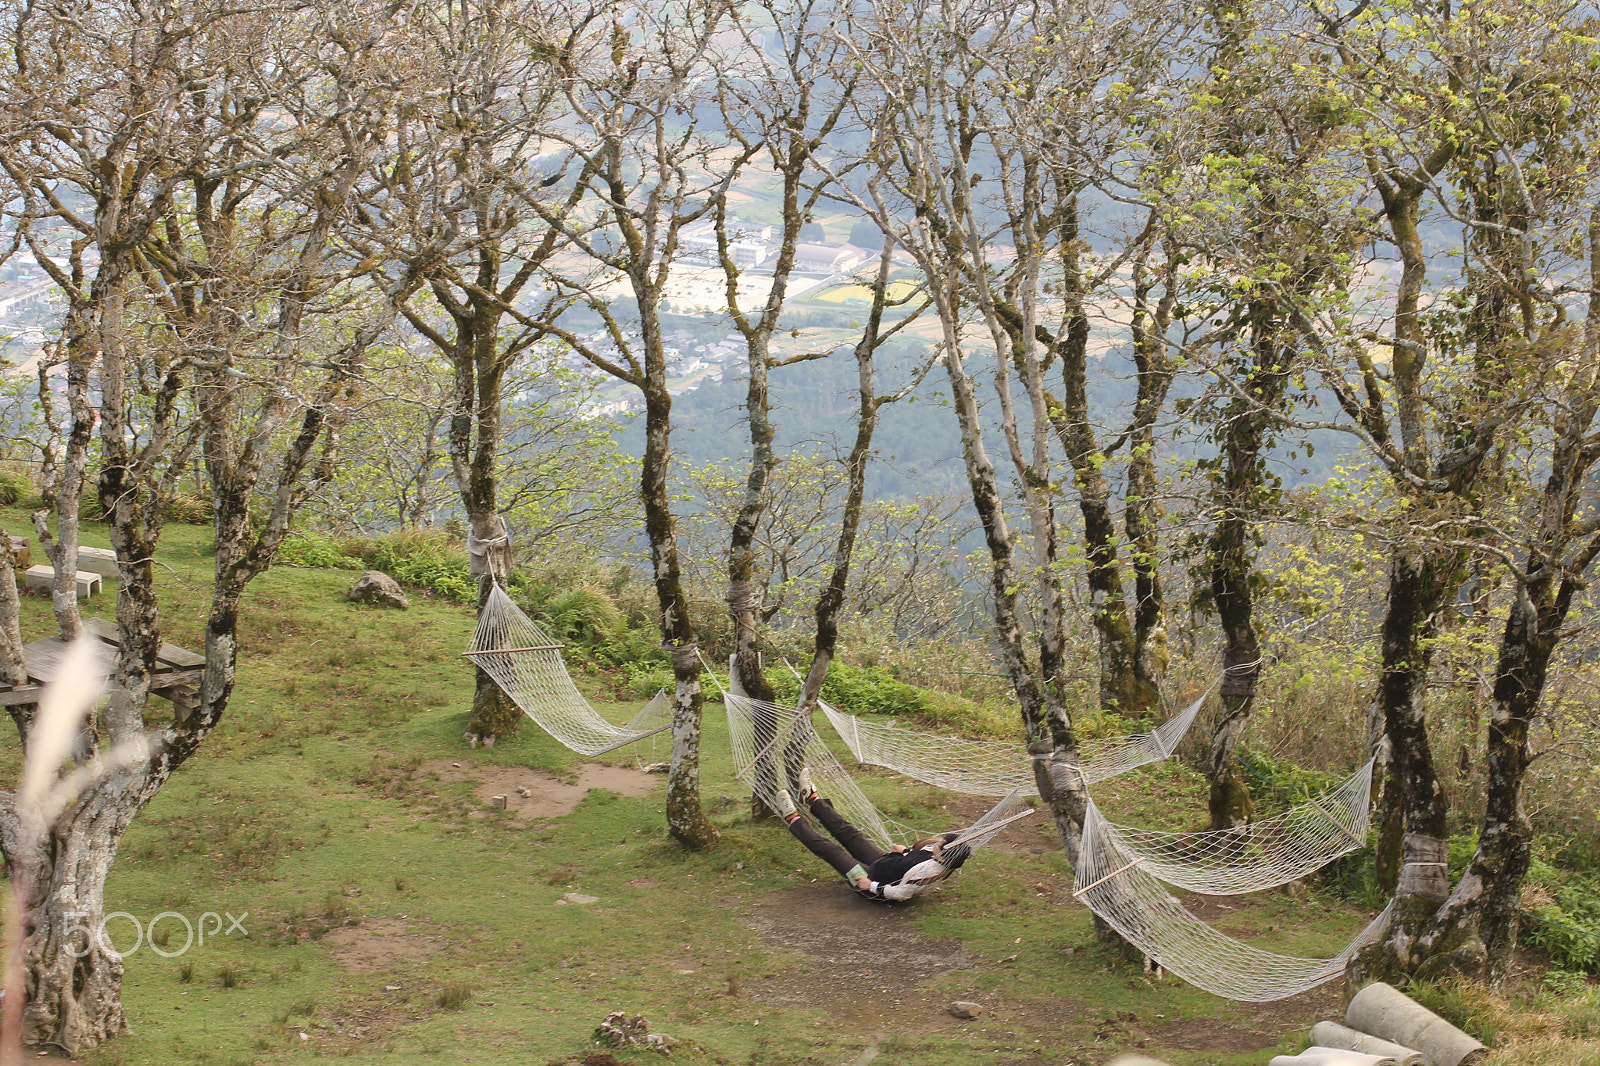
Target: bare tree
<point>460,206</point>
<point>780,100</point>
<point>869,401</point>
<point>649,171</point>
<point>983,148</point>
<point>147,132</point>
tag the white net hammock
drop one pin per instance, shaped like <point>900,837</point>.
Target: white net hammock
<point>1112,880</point>
<point>771,744</point>
<point>1263,854</point>
<point>993,768</point>
<point>526,663</point>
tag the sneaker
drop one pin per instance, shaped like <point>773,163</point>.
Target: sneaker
<point>785,804</point>
<point>808,791</point>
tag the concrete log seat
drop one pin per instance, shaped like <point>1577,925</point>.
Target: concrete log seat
<point>42,577</point>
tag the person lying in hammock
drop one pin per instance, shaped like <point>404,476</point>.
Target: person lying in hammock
<point>897,874</point>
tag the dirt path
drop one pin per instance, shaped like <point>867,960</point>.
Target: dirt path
<point>536,794</point>
<point>842,943</point>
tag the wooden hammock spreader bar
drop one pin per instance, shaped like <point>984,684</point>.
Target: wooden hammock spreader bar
<point>1108,876</point>
<point>1340,826</point>
<point>981,830</point>
<point>639,736</point>
<point>508,651</point>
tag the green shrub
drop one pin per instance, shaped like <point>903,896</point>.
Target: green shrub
<point>14,487</point>
<point>646,679</point>
<point>428,558</point>
<point>639,645</point>
<point>1270,777</point>
<point>1568,930</point>
<point>584,614</point>
<point>314,549</point>
<point>865,690</point>
<point>191,510</point>
<point>1566,983</point>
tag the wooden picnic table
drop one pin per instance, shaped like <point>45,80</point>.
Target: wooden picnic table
<point>176,676</point>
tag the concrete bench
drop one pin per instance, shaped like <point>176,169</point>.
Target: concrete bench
<point>102,561</point>
<point>42,577</point>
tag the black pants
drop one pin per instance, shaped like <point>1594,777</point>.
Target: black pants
<point>857,848</point>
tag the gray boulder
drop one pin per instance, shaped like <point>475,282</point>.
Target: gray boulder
<point>378,587</point>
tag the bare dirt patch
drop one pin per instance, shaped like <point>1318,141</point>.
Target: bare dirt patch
<point>856,943</point>
<point>368,1023</point>
<point>381,944</point>
<point>542,795</point>
<point>864,963</point>
<point>1254,1026</point>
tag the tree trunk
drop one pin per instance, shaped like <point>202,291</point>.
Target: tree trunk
<point>480,367</point>
<point>13,665</point>
<point>744,595</point>
<point>63,488</point>
<point>1142,508</point>
<point>1419,583</point>
<point>1049,740</point>
<point>1121,687</point>
<point>74,981</point>
<point>686,819</point>
<point>493,715</point>
<point>1238,503</point>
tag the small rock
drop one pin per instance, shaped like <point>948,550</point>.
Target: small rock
<point>578,897</point>
<point>657,768</point>
<point>1009,958</point>
<point>497,802</point>
<point>965,1009</point>
<point>522,791</point>
<point>375,586</point>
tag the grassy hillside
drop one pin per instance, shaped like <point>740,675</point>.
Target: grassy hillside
<point>394,917</point>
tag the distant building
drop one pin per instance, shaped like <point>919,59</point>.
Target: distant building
<point>26,292</point>
<point>749,244</point>
<point>829,258</point>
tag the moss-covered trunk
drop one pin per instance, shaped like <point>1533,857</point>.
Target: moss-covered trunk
<point>1123,686</point>
<point>1238,497</point>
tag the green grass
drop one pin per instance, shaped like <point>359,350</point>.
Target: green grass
<point>306,813</point>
